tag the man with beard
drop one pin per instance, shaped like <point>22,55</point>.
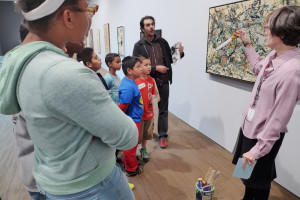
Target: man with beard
<point>159,51</point>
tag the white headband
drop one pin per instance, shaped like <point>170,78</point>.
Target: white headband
<point>45,9</point>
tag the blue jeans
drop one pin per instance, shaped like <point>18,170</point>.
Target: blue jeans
<point>113,187</point>
<point>37,196</point>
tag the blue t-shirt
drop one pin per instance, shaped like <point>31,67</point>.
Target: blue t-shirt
<point>113,83</point>
<point>129,93</point>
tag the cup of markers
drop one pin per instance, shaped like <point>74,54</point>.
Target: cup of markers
<point>205,187</point>
<point>204,192</point>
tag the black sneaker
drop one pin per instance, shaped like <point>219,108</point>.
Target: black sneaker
<point>138,170</point>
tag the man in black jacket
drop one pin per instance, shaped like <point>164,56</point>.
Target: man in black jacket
<point>159,52</point>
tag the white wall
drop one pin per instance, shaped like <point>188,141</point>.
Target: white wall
<point>10,21</point>
<point>213,105</point>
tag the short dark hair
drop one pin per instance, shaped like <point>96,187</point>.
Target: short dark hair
<point>141,58</point>
<point>129,62</point>
<point>43,23</point>
<point>143,19</point>
<point>85,55</point>
<point>110,57</point>
<point>23,32</point>
<point>285,23</point>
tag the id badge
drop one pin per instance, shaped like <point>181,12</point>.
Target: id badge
<point>250,114</point>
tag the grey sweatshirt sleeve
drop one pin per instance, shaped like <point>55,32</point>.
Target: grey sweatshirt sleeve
<point>77,94</point>
<point>25,150</point>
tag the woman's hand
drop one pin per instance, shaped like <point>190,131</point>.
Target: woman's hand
<point>247,157</point>
<point>243,36</point>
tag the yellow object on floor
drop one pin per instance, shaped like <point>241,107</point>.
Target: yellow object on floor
<point>131,186</point>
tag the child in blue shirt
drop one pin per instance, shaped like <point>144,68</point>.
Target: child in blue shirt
<point>131,102</point>
<point>113,61</point>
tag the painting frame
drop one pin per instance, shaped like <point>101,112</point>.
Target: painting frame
<point>121,40</point>
<point>107,38</point>
<point>98,40</point>
<point>230,61</point>
<point>90,41</point>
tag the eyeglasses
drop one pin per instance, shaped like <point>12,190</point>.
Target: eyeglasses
<point>90,11</point>
<point>266,28</point>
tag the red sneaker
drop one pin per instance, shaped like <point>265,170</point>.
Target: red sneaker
<point>163,143</point>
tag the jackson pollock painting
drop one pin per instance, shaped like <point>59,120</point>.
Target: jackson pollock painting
<point>230,61</point>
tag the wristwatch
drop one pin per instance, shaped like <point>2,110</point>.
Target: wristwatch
<point>246,43</point>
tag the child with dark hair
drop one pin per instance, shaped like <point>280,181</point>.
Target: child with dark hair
<point>146,85</point>
<point>90,59</point>
<point>131,103</point>
<point>113,62</point>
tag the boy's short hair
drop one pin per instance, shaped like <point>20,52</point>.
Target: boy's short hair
<point>129,62</point>
<point>85,55</point>
<point>110,57</point>
<point>141,58</point>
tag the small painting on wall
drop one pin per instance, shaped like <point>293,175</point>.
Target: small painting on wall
<point>121,40</point>
<point>106,38</point>
<point>98,41</point>
<point>90,39</point>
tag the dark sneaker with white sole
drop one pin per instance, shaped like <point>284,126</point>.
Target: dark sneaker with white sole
<point>144,154</point>
<point>138,170</point>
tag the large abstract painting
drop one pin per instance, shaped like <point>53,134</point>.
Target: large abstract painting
<point>230,61</point>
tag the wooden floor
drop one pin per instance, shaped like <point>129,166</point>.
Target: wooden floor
<point>170,174</point>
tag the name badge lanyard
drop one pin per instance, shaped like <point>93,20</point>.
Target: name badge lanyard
<point>262,79</point>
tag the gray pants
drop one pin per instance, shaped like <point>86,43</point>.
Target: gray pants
<point>163,109</point>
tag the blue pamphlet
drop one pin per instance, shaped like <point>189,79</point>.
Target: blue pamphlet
<point>240,173</point>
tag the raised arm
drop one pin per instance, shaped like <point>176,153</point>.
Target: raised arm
<point>253,57</point>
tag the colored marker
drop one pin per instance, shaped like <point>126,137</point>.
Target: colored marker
<point>200,183</point>
<point>207,188</point>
